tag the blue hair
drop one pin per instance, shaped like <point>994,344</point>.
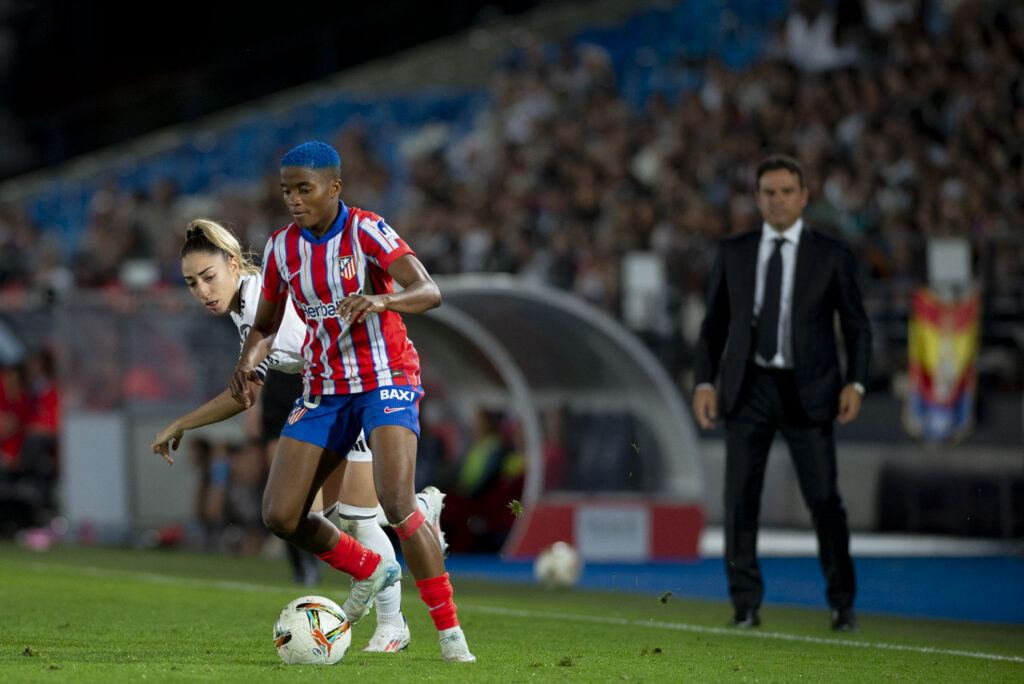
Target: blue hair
<point>312,155</point>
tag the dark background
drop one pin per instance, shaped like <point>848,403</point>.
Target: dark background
<point>77,75</point>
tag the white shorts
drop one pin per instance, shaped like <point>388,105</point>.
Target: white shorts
<point>360,452</point>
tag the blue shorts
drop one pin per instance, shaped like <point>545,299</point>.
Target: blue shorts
<point>333,421</point>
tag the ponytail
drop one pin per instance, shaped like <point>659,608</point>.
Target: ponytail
<point>209,237</point>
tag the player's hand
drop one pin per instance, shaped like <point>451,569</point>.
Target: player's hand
<point>167,439</point>
<point>356,307</point>
<point>705,407</point>
<point>244,385</point>
<point>849,404</point>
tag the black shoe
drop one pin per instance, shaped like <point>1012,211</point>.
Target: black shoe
<point>843,620</point>
<point>745,619</point>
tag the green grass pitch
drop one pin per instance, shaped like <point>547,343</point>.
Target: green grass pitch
<point>74,615</point>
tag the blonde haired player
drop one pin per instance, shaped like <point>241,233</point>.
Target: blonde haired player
<point>226,281</point>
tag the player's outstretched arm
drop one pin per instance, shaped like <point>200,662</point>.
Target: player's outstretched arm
<point>221,407</point>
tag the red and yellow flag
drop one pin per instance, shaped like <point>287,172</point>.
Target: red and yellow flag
<point>942,355</point>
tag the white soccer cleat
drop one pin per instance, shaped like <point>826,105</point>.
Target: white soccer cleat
<point>454,648</point>
<point>433,501</point>
<point>388,638</point>
<point>360,599</point>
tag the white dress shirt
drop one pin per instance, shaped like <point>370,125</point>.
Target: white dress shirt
<point>784,356</point>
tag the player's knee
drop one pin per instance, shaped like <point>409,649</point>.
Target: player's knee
<point>396,512</point>
<point>396,502</point>
<point>280,522</point>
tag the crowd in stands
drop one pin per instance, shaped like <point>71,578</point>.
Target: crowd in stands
<point>908,116</point>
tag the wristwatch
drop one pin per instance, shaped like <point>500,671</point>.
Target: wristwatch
<point>859,387</point>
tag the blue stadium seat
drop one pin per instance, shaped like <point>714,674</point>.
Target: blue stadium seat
<point>690,29</point>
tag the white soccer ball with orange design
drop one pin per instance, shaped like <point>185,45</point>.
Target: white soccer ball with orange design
<point>312,630</point>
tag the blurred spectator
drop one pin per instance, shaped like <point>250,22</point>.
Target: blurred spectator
<point>18,248</point>
<point>814,41</point>
<point>497,507</point>
<point>474,507</point>
<point>439,443</point>
<point>244,530</point>
<point>231,497</point>
<point>204,520</point>
<point>884,17</point>
<point>482,461</point>
<point>557,457</point>
<point>16,508</point>
<point>15,413</point>
<point>39,455</point>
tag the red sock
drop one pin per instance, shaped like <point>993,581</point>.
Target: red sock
<point>437,593</point>
<point>352,557</point>
<point>408,527</point>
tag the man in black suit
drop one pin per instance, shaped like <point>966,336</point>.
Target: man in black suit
<point>768,337</point>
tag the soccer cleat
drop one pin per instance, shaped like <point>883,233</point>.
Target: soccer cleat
<point>433,502</point>
<point>454,648</point>
<point>360,599</point>
<point>388,638</point>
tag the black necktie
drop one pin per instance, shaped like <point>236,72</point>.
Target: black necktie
<point>768,321</point>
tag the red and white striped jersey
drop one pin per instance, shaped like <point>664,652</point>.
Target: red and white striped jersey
<point>352,257</point>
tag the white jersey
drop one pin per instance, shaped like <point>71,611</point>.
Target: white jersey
<point>286,354</point>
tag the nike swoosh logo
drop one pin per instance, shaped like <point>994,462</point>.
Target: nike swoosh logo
<point>388,409</point>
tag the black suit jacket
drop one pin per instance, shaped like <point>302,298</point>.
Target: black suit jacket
<point>824,283</point>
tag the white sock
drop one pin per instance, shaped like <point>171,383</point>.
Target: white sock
<point>361,523</point>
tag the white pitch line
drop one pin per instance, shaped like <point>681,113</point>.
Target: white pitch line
<point>157,578</point>
<point>757,634</point>
<point>227,585</point>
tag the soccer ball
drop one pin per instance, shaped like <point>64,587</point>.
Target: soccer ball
<point>312,630</point>
<point>558,566</point>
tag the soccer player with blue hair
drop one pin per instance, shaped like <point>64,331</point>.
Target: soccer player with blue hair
<point>220,274</point>
<point>338,265</point>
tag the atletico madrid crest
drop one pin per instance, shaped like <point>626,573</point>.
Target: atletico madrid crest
<point>347,264</point>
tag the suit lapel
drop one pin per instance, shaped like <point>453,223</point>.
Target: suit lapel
<point>748,272</point>
<point>804,269</point>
